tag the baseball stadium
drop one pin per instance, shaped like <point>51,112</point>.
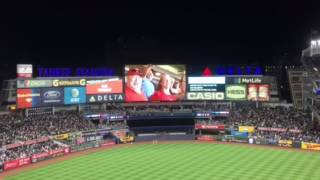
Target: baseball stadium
<point>160,122</point>
<point>161,92</point>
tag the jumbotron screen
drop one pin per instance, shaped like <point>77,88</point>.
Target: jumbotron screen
<point>155,83</point>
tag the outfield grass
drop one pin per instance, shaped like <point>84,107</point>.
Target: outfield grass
<point>183,162</point>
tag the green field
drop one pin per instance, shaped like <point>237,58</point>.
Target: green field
<point>183,162</point>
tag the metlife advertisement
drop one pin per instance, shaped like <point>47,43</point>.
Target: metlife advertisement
<point>74,95</point>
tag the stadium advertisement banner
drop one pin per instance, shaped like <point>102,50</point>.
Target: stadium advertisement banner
<point>245,80</point>
<point>68,82</point>
<point>310,146</point>
<point>205,96</point>
<point>61,136</point>
<point>214,127</point>
<point>105,86</point>
<point>279,129</point>
<point>155,83</point>
<point>27,98</point>
<point>206,84</point>
<point>24,70</point>
<point>295,130</point>
<point>236,92</point>
<point>238,134</point>
<point>13,164</point>
<point>285,143</point>
<point>252,92</point>
<point>106,144</point>
<point>52,96</point>
<point>74,95</point>
<point>206,138</point>
<point>249,129</point>
<point>272,129</point>
<point>98,98</point>
<point>263,92</point>
<point>35,157</point>
<point>206,88</point>
<point>33,83</point>
<point>29,142</point>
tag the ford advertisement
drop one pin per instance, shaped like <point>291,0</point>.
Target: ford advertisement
<point>52,96</point>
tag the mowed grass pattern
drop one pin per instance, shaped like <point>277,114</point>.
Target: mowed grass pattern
<point>183,161</point>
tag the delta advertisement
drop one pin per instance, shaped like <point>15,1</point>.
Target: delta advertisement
<point>74,95</point>
<point>27,98</point>
<point>52,96</point>
<point>206,88</point>
<point>105,90</point>
<point>155,83</point>
<point>236,92</point>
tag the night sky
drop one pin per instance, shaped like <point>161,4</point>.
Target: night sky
<point>237,34</point>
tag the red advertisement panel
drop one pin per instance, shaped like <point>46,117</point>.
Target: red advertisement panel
<point>34,141</point>
<point>264,92</point>
<point>107,144</point>
<point>252,92</point>
<point>16,163</point>
<point>215,127</point>
<point>27,98</point>
<point>105,86</point>
<point>24,98</point>
<point>40,155</point>
<point>206,138</point>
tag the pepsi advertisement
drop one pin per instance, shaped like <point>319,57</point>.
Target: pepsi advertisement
<point>74,95</point>
<point>52,96</point>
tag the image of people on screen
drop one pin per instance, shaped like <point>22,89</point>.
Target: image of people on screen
<point>164,90</point>
<point>134,86</point>
<point>148,88</point>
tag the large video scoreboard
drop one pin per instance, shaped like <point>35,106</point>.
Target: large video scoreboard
<point>140,83</point>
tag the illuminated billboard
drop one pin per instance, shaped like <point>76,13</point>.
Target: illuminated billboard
<point>101,98</point>
<point>264,92</point>
<point>236,92</point>
<point>68,82</point>
<point>258,92</point>
<point>52,96</point>
<point>154,83</point>
<point>206,88</point>
<point>33,83</point>
<point>105,86</point>
<point>74,95</point>
<point>28,98</point>
<point>24,70</point>
<point>253,92</point>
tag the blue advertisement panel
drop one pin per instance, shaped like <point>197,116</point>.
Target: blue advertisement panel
<point>52,96</point>
<point>238,134</point>
<point>74,95</point>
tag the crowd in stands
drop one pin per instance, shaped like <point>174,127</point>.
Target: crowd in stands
<point>290,119</point>
<point>15,128</point>
<point>27,150</point>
